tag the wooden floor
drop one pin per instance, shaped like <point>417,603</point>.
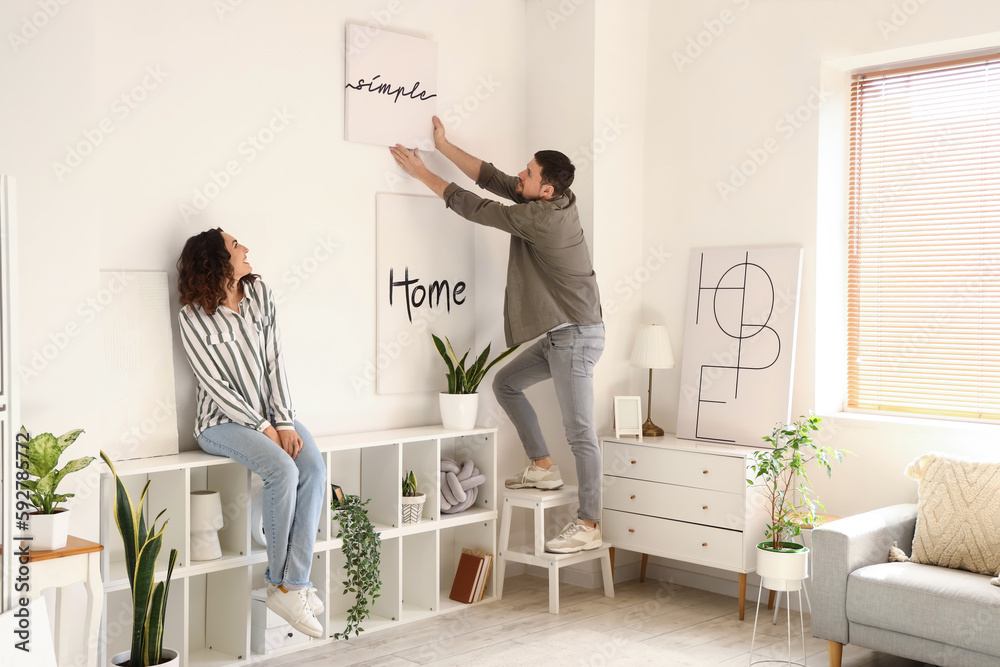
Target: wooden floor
<point>653,623</point>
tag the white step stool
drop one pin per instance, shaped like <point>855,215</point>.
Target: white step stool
<point>539,501</point>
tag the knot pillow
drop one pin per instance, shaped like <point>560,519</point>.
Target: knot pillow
<point>958,513</point>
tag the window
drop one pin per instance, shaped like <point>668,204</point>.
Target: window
<point>924,241</point>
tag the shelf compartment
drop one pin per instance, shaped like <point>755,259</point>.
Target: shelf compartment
<point>421,456</point>
<point>479,536</point>
<point>232,481</point>
<point>419,591</point>
<point>479,447</point>
<point>386,608</point>
<point>219,617</point>
<point>380,481</point>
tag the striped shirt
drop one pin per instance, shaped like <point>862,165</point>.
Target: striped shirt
<point>236,358</point>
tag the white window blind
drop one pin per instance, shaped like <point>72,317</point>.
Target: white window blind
<point>924,241</point>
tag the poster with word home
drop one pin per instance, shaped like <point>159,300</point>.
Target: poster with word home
<point>426,284</point>
<point>739,343</point>
<point>391,88</point>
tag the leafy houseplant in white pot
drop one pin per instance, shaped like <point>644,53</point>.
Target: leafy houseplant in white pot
<point>461,402</point>
<point>781,470</point>
<point>413,502</point>
<point>49,523</point>
<point>142,546</point>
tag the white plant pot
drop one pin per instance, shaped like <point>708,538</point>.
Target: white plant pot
<point>458,411</point>
<point>49,530</point>
<point>168,658</point>
<point>782,570</point>
<point>413,507</point>
<point>206,521</point>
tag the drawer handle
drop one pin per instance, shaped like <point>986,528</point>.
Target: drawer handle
<point>704,507</point>
<point>704,472</point>
<point>632,497</point>
<point>631,530</point>
<point>633,462</point>
<point>704,544</point>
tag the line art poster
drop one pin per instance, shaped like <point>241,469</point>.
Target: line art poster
<point>739,343</point>
<point>390,93</point>
<point>426,284</point>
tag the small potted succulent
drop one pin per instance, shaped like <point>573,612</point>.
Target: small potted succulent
<point>413,502</point>
<point>362,558</point>
<point>460,403</point>
<point>49,522</point>
<point>781,472</point>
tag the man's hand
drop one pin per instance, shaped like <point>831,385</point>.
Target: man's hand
<point>408,160</point>
<point>290,442</point>
<point>414,166</point>
<point>439,139</point>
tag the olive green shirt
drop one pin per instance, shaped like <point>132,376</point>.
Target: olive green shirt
<point>550,278</point>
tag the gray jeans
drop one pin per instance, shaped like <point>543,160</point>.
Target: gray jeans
<point>568,356</point>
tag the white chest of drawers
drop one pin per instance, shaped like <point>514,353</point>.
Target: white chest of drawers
<point>684,500</point>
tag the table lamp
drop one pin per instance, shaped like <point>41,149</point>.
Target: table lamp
<point>652,350</point>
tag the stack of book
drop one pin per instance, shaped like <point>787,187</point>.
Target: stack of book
<point>471,577</point>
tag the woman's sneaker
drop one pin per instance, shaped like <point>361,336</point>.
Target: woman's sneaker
<point>293,606</point>
<point>576,536</point>
<point>534,477</point>
<point>315,603</point>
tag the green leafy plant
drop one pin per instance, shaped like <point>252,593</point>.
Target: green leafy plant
<point>43,452</point>
<point>782,470</point>
<point>409,485</point>
<point>462,380</point>
<point>362,555</point>
<point>142,546</point>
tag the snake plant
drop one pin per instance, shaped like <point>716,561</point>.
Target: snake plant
<point>149,598</point>
<point>460,379</point>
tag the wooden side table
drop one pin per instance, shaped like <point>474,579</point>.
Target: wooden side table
<point>78,562</point>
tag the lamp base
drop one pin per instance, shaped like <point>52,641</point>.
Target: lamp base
<point>651,430</point>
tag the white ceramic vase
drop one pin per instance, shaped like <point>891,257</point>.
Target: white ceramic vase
<point>782,570</point>
<point>168,658</point>
<point>49,531</point>
<point>458,411</point>
<point>413,507</point>
<point>206,521</point>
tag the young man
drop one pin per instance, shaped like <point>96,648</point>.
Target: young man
<point>551,290</point>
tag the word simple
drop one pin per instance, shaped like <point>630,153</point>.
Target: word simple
<point>386,89</point>
<point>417,294</point>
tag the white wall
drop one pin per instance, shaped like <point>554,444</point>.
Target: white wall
<point>749,64</point>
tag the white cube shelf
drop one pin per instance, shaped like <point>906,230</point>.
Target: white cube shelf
<point>209,617</point>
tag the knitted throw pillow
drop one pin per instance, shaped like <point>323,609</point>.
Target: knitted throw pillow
<point>958,513</point>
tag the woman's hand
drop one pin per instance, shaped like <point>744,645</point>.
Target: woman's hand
<point>290,442</point>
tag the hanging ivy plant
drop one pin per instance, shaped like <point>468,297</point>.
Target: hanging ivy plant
<point>362,556</point>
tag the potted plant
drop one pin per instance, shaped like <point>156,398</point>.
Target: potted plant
<point>149,598</point>
<point>781,472</point>
<point>362,557</point>
<point>413,502</point>
<point>460,403</point>
<point>49,522</point>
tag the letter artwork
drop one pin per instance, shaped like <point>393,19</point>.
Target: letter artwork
<point>374,86</point>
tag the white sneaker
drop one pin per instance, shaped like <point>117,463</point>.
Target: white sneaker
<point>315,603</point>
<point>536,478</point>
<point>293,606</point>
<point>576,536</point>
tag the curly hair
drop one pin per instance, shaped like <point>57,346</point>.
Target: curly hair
<point>204,272</point>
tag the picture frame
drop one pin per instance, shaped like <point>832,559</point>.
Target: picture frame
<point>628,416</point>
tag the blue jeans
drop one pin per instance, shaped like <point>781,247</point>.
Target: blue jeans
<point>568,356</point>
<point>294,492</point>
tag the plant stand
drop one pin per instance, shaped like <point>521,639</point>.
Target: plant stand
<point>802,631</point>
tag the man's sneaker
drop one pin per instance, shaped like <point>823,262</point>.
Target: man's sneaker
<point>315,603</point>
<point>576,536</point>
<point>293,606</point>
<point>534,477</point>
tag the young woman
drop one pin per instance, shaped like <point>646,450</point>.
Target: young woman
<point>229,330</point>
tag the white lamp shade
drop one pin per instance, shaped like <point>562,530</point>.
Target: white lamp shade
<point>206,511</point>
<point>652,347</point>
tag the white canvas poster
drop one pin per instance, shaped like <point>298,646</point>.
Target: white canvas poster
<point>138,411</point>
<point>425,284</point>
<point>739,343</point>
<point>391,89</point>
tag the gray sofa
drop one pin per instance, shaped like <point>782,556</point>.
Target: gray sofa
<point>922,612</point>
